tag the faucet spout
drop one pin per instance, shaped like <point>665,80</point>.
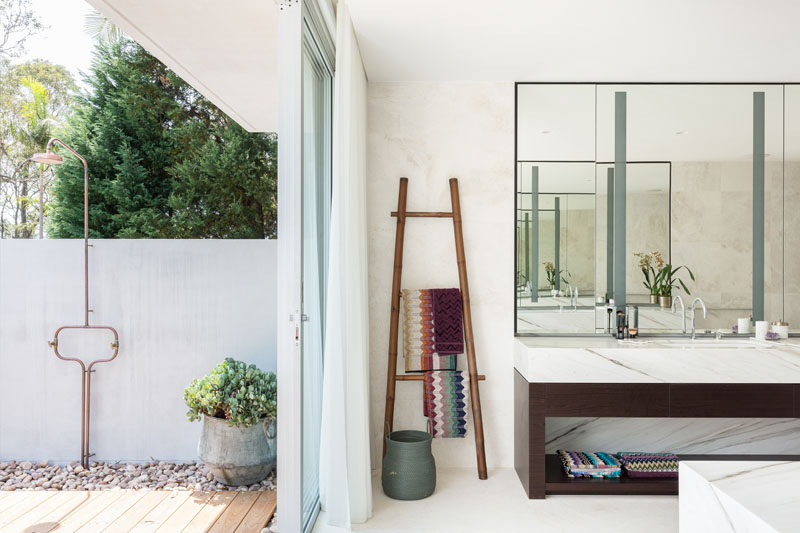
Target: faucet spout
<point>683,311</point>
<point>705,312</point>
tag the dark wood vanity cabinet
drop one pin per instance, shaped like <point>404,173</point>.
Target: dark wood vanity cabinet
<point>542,474</point>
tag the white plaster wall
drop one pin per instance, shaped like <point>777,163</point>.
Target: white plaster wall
<point>180,307</point>
<point>430,132</point>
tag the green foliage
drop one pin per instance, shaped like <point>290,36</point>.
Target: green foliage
<point>225,178</point>
<point>163,161</point>
<point>667,279</point>
<point>235,391</point>
<point>34,98</point>
<point>552,275</point>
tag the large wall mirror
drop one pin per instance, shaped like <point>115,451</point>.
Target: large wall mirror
<point>617,182</point>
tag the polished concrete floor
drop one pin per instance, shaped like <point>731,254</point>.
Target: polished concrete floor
<point>463,503</point>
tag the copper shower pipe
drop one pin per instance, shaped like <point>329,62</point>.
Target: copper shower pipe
<point>50,158</point>
<point>86,384</point>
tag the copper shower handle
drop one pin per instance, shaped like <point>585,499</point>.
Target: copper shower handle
<point>114,344</point>
<point>86,383</point>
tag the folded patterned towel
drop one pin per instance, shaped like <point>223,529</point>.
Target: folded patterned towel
<point>447,321</point>
<point>419,353</point>
<point>589,464</point>
<point>641,464</point>
<point>445,402</point>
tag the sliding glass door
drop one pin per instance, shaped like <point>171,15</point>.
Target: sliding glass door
<point>316,199</point>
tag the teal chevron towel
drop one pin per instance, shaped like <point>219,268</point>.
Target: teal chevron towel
<point>445,403</point>
<point>589,464</point>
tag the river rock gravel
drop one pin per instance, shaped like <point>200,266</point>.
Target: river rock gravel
<point>103,475</point>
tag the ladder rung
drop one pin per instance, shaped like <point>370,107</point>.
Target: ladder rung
<point>420,377</point>
<point>426,214</point>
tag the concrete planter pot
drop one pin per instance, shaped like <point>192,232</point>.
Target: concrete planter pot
<point>237,456</point>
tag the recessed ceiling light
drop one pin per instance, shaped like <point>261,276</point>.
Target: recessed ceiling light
<point>681,132</point>
<point>547,132</point>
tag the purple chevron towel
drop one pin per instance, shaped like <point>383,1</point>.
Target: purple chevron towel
<point>448,332</point>
<point>641,464</point>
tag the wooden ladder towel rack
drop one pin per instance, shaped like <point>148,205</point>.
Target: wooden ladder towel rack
<point>392,376</point>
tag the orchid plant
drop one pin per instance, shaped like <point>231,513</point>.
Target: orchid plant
<point>660,277</point>
<point>552,275</point>
<point>651,264</point>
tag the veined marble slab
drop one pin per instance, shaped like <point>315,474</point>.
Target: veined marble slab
<point>736,496</point>
<point>607,360</point>
<point>779,436</point>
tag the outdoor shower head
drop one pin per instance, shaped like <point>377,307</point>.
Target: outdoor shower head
<point>47,158</point>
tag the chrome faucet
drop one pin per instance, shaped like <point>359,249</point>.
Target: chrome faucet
<point>694,303</point>
<point>675,300</point>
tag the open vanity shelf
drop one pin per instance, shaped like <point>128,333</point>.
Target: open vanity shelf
<point>534,402</point>
<point>557,482</point>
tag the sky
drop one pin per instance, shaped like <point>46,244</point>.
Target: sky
<point>63,40</point>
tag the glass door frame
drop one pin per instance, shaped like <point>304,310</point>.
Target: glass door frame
<point>316,236</point>
<point>293,18</point>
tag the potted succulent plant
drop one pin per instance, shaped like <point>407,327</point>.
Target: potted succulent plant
<point>238,405</point>
<point>651,264</point>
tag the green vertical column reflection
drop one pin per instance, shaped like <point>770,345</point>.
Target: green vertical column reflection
<point>534,250</point>
<point>620,163</point>
<point>758,206</point>
<point>610,234</point>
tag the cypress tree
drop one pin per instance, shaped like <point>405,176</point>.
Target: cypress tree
<point>163,161</point>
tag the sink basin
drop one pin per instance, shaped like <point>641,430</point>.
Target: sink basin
<point>706,344</point>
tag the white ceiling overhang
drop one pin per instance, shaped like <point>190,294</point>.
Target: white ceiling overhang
<point>228,51</point>
<point>578,40</point>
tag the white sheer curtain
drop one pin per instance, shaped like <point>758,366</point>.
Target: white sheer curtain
<point>345,482</point>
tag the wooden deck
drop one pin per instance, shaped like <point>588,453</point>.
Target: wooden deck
<point>136,511</point>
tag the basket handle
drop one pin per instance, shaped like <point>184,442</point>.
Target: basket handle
<point>386,430</point>
<point>430,426</point>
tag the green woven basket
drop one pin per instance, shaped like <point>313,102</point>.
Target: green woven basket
<point>409,470</point>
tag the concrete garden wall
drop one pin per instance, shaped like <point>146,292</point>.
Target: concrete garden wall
<point>180,307</point>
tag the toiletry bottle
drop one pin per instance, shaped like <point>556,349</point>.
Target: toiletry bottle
<point>620,331</point>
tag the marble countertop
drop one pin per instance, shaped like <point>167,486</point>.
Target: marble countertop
<point>675,360</point>
<point>739,496</point>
